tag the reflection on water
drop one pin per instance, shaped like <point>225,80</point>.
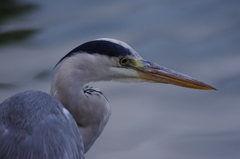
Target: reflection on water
<point>198,38</point>
<point>10,10</point>
<point>7,86</point>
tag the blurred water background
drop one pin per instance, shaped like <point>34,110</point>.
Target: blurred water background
<point>155,121</point>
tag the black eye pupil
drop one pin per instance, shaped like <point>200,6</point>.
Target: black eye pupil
<point>124,61</point>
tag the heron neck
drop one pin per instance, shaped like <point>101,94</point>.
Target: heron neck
<point>90,111</point>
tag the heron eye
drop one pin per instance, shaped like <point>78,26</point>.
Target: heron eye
<point>123,61</point>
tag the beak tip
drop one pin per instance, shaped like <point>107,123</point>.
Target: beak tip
<point>214,89</point>
<point>208,87</point>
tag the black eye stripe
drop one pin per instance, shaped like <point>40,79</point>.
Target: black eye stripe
<point>101,47</point>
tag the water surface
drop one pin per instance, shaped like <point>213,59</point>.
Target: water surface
<point>198,38</point>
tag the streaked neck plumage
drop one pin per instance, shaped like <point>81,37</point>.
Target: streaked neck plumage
<point>88,106</point>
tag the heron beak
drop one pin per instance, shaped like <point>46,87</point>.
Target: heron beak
<point>155,73</point>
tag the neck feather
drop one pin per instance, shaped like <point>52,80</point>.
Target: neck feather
<point>90,110</point>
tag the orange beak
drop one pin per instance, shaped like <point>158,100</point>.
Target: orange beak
<point>155,73</point>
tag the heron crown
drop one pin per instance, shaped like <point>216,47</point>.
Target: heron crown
<point>103,46</point>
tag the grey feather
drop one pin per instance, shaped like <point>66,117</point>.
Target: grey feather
<point>33,125</point>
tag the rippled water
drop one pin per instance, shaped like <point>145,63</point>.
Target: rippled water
<point>198,38</point>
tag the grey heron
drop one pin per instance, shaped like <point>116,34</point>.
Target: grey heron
<point>66,123</point>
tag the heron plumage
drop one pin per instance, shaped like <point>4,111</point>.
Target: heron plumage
<point>33,126</point>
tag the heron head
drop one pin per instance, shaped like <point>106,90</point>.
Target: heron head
<point>110,59</point>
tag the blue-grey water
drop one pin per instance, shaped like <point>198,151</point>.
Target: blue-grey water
<point>155,121</point>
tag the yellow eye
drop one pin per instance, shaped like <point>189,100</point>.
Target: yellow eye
<point>123,61</point>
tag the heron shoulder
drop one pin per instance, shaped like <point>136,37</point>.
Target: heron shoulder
<point>35,118</point>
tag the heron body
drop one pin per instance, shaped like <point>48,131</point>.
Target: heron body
<point>34,124</point>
